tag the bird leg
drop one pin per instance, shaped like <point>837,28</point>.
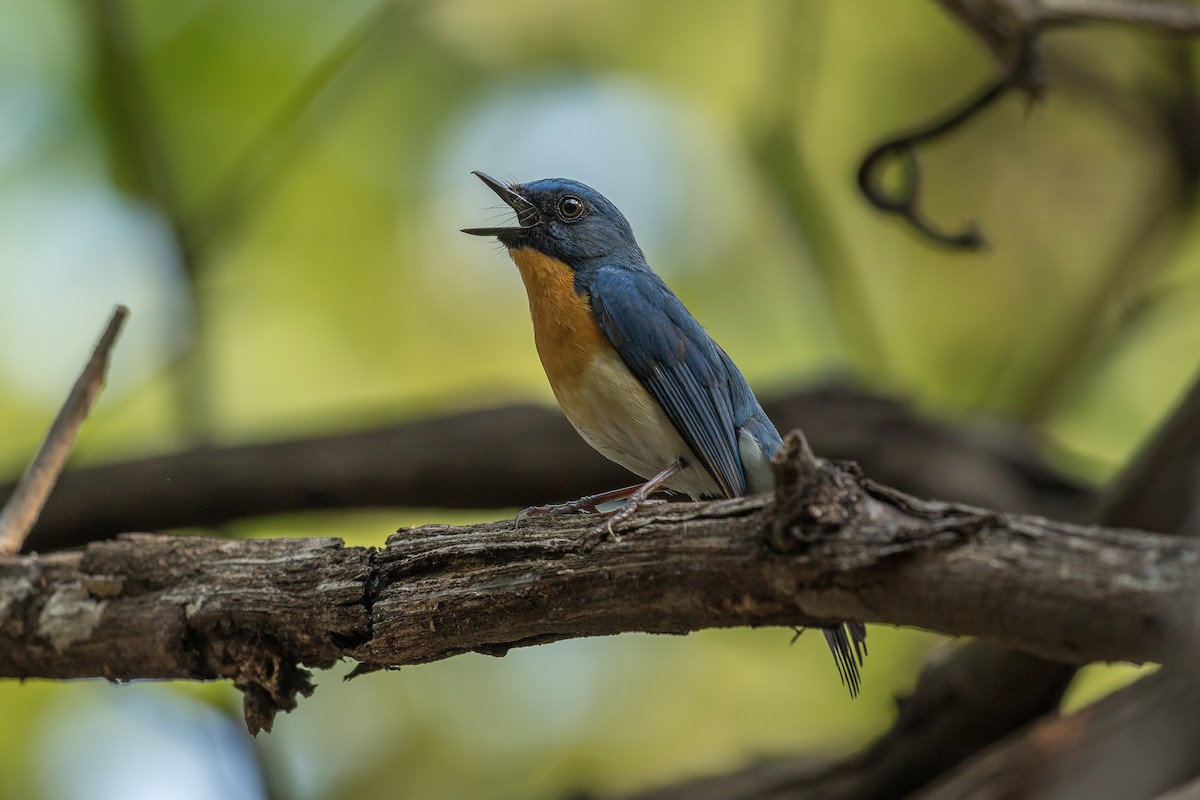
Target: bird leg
<point>640,496</point>
<point>590,503</point>
<point>634,496</point>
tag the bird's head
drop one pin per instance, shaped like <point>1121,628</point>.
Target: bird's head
<point>563,219</point>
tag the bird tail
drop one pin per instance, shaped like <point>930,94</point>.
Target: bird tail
<point>848,642</point>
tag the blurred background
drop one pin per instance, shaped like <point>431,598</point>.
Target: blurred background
<point>275,189</point>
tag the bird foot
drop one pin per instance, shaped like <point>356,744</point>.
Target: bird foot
<point>606,531</point>
<point>584,505</point>
<point>634,496</point>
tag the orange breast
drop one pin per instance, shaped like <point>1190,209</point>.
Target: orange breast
<point>609,407</point>
<point>564,329</point>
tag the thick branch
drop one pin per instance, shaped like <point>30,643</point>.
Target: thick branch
<point>1133,745</point>
<point>520,456</point>
<point>1158,491</point>
<point>980,692</point>
<point>831,546</point>
<point>974,693</point>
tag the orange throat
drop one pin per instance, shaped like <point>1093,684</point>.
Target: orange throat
<point>564,328</point>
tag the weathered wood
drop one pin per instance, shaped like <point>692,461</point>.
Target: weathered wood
<point>830,546</point>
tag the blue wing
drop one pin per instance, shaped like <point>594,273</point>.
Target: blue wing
<point>665,348</point>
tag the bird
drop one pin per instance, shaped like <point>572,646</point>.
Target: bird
<point>635,374</point>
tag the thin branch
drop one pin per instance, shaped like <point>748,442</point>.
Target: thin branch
<point>1011,29</point>
<point>1166,17</point>
<point>1006,26</point>
<point>905,201</point>
<point>833,547</point>
<point>1002,27</point>
<point>26,502</point>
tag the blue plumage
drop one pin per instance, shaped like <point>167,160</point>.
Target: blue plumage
<point>633,370</point>
<point>676,360</point>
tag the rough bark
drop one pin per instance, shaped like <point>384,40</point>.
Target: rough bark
<point>980,693</point>
<point>830,545</point>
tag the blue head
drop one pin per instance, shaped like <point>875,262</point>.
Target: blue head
<point>565,220</point>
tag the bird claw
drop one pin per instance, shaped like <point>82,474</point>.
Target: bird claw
<point>634,496</point>
<point>584,505</point>
<point>606,531</point>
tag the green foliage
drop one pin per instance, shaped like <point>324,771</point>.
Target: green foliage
<point>331,290</point>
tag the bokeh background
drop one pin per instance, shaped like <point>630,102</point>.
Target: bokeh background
<point>275,188</point>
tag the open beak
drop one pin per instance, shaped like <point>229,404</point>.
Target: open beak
<point>527,215</point>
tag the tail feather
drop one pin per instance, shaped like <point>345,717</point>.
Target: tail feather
<point>848,642</point>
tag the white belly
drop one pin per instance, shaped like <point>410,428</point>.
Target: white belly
<point>615,414</point>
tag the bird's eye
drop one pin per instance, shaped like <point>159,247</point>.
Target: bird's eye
<point>570,208</point>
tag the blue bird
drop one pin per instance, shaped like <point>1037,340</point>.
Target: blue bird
<point>632,369</point>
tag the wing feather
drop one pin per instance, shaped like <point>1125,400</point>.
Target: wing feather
<point>675,359</point>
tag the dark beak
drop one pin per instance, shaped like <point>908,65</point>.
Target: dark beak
<point>527,215</point>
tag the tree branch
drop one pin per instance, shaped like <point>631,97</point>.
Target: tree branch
<point>1133,745</point>
<point>831,545</point>
<point>27,499</point>
<point>1159,15</point>
<point>1158,490</point>
<point>979,693</point>
<point>1191,791</point>
<point>1006,26</point>
<point>518,456</point>
<point>904,199</point>
<point>961,700</point>
<point>1011,29</point>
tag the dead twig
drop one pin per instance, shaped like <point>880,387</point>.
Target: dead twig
<point>905,200</point>
<point>1011,29</point>
<point>25,504</point>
